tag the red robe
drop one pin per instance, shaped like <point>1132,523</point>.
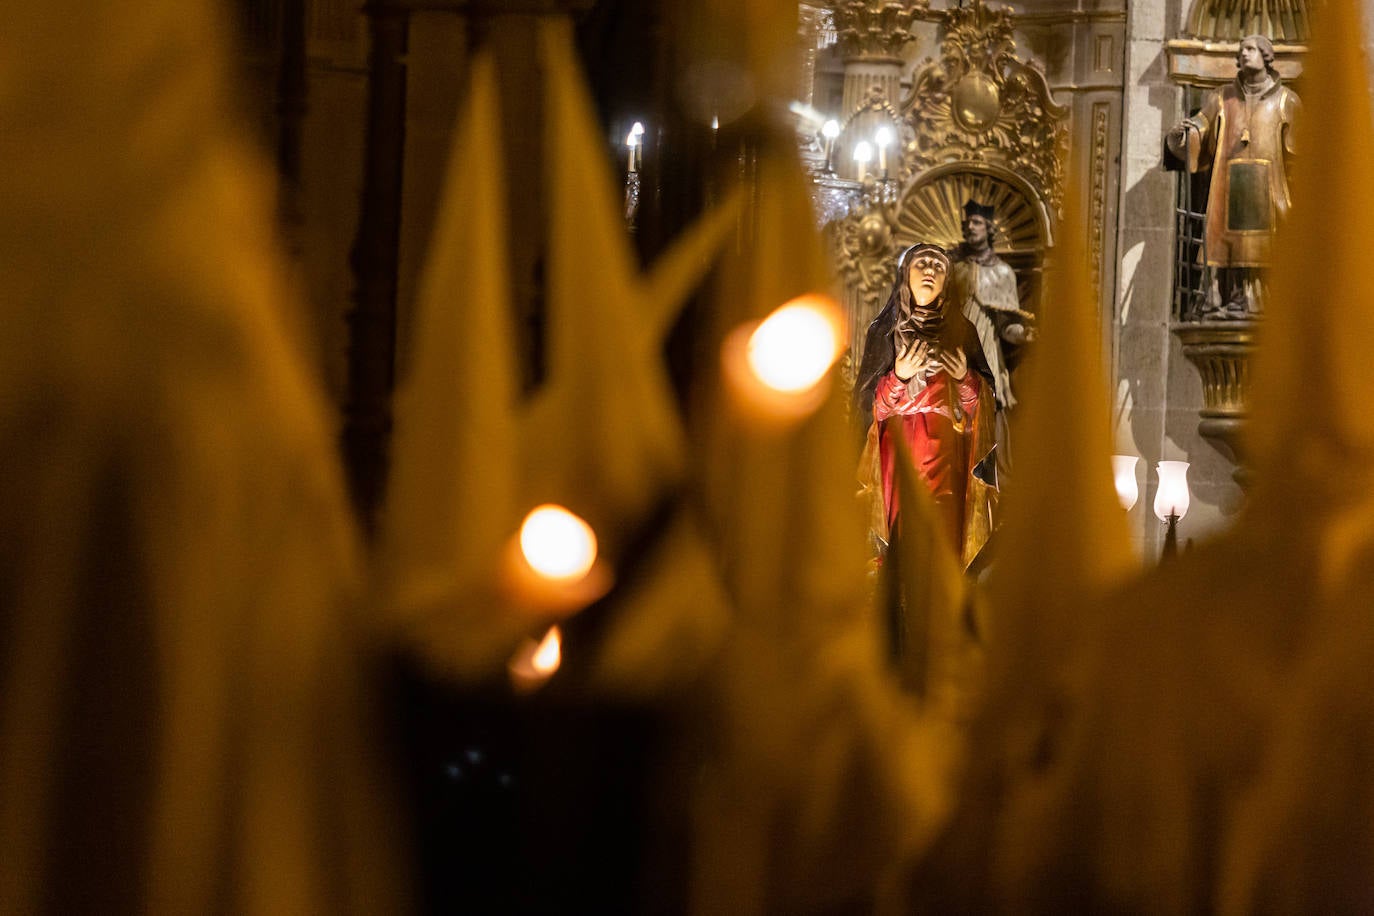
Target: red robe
<point>947,426</point>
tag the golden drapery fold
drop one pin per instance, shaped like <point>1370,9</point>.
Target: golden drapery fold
<point>184,712</point>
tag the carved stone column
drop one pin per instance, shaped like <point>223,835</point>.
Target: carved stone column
<point>871,35</point>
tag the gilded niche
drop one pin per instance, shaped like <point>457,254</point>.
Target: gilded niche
<point>980,102</point>
<point>978,124</point>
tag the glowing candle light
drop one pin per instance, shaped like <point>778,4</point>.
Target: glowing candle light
<point>535,662</point>
<point>1172,496</point>
<point>631,144</point>
<point>778,370</point>
<point>548,655</point>
<point>863,154</point>
<point>884,139</point>
<point>830,130</point>
<point>793,348</point>
<point>557,544</point>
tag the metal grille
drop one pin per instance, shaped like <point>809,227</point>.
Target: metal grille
<point>1193,279</point>
<point>1192,276</point>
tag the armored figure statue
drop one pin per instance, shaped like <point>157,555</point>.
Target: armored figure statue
<point>984,286</point>
<point>1244,135</point>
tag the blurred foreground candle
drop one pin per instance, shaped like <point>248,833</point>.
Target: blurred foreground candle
<point>552,566</point>
<point>778,368</point>
<point>863,154</point>
<point>1123,470</point>
<point>557,544</point>
<point>535,662</point>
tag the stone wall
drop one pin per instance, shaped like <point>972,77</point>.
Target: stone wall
<point>1158,392</point>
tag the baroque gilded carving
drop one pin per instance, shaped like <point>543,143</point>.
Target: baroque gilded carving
<point>1279,20</point>
<point>1098,203</point>
<point>981,103</point>
<point>978,123</point>
<point>879,30</point>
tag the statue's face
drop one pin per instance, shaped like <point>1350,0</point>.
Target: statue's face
<point>1249,58</point>
<point>926,277</point>
<point>975,231</point>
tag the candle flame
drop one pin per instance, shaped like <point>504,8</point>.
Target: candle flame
<point>794,347</point>
<point>534,663</point>
<point>557,544</point>
<point>549,653</point>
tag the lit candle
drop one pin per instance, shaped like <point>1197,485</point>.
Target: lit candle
<point>863,154</point>
<point>778,369</point>
<point>535,662</point>
<point>552,565</point>
<point>793,348</point>
<point>883,138</point>
<point>830,130</point>
<point>557,544</point>
<point>633,140</point>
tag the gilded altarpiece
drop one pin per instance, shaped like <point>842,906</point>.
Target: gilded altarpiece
<point>986,120</point>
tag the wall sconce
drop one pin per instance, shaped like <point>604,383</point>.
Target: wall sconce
<point>863,155</point>
<point>1123,472</point>
<point>1171,501</point>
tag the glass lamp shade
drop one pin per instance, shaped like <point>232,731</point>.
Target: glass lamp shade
<point>1172,496</point>
<point>1123,471</point>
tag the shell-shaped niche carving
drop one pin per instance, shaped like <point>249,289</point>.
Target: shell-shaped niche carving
<point>1225,20</point>
<point>932,210</point>
<point>981,103</point>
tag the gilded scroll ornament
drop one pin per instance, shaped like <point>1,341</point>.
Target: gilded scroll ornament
<point>982,103</point>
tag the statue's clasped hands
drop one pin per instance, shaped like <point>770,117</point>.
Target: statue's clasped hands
<point>920,359</point>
